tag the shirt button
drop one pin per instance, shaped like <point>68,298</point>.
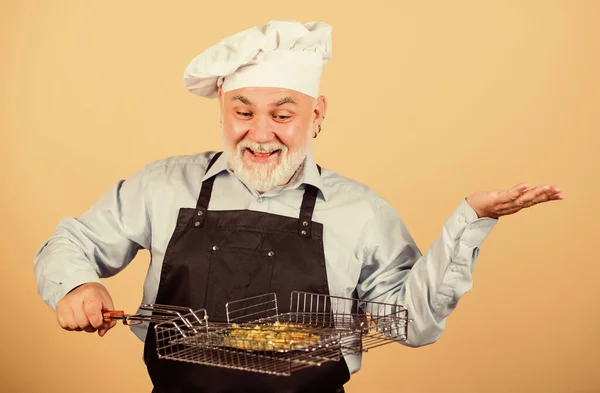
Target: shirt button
<point>259,199</point>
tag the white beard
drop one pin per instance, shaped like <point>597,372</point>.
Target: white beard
<point>264,177</point>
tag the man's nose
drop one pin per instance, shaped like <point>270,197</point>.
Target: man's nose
<point>261,130</point>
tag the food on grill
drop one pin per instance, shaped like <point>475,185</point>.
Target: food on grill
<point>363,322</point>
<point>275,336</point>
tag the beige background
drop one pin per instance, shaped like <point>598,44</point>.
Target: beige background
<point>428,102</point>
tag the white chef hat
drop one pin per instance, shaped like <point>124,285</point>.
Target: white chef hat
<point>281,54</point>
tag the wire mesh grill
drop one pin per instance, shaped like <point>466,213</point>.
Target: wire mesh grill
<point>362,325</point>
<point>317,329</point>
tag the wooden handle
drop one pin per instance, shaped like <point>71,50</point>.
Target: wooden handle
<point>108,316</point>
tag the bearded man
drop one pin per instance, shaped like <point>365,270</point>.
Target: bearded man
<point>263,217</point>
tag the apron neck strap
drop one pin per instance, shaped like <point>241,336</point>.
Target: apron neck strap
<point>306,211</point>
<point>207,186</point>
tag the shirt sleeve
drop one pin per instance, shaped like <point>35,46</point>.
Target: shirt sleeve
<point>98,244</point>
<point>429,285</point>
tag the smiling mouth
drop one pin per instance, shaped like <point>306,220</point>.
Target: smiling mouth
<point>262,154</point>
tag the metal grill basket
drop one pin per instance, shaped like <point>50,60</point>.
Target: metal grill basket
<point>257,337</point>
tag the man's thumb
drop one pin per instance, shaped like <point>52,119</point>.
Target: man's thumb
<point>107,305</point>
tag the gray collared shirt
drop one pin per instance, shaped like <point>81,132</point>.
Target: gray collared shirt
<point>369,252</point>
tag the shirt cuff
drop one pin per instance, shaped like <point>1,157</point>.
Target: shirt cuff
<point>464,224</point>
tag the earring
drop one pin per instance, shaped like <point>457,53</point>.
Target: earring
<point>318,132</point>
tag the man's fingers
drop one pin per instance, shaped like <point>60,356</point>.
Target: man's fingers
<point>107,303</point>
<point>532,196</point>
<point>104,329</point>
<point>106,326</point>
<point>93,310</point>
<point>536,195</point>
<point>552,194</point>
<point>520,196</point>
<point>528,198</point>
<point>512,194</point>
<point>555,194</point>
<point>88,327</point>
<point>543,197</point>
<point>66,319</point>
<point>70,320</point>
<point>521,187</point>
<point>547,193</point>
<point>82,319</point>
<point>558,196</point>
<point>61,319</point>
<point>107,306</point>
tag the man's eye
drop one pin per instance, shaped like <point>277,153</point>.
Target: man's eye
<point>281,117</point>
<point>244,114</point>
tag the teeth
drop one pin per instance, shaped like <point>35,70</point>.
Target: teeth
<point>263,151</point>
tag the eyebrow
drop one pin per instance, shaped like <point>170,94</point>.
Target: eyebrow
<point>243,99</point>
<point>285,100</point>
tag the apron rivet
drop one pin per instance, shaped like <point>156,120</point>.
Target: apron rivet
<point>270,253</point>
<point>215,248</point>
<point>199,212</point>
<point>305,223</point>
<point>303,232</point>
<point>197,223</point>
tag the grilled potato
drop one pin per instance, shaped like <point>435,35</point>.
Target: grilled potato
<point>278,336</point>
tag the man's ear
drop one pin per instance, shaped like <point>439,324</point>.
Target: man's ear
<point>220,98</point>
<point>320,109</point>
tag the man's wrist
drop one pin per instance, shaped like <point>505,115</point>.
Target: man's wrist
<point>480,212</point>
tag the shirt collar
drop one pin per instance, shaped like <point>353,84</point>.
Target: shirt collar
<point>219,166</point>
<point>309,173</point>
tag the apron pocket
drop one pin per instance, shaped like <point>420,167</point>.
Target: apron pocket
<point>236,273</point>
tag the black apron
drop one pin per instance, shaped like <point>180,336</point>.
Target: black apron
<point>215,257</point>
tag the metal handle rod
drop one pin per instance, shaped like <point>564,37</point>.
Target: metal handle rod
<point>126,318</point>
<point>171,313</point>
<point>174,310</point>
